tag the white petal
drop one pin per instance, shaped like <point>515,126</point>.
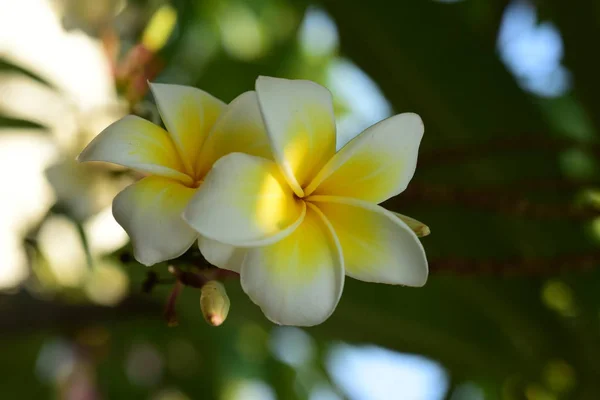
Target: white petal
<point>222,255</point>
<point>377,245</point>
<point>244,201</point>
<point>139,144</point>
<point>189,114</point>
<point>150,212</point>
<point>300,124</point>
<point>377,164</point>
<point>298,280</point>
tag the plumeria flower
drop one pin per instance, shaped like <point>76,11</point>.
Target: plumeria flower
<point>299,224</point>
<point>200,129</point>
<point>37,163</point>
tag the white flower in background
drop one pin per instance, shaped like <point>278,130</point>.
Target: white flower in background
<point>81,102</point>
<point>64,255</point>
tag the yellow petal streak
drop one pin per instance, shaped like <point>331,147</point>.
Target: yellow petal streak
<point>301,126</point>
<point>377,245</point>
<point>274,204</point>
<point>244,201</point>
<point>298,280</point>
<point>310,143</point>
<point>139,144</point>
<point>189,114</point>
<point>376,165</point>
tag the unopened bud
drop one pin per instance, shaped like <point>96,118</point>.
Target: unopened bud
<point>159,28</point>
<point>419,228</point>
<point>214,302</point>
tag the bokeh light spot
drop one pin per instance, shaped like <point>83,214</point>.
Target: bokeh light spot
<point>560,376</point>
<point>159,28</point>
<point>252,342</point>
<point>318,34</point>
<point>107,284</point>
<point>292,346</point>
<point>144,365</point>
<point>248,389</point>
<point>532,51</point>
<point>365,103</point>
<point>375,373</point>
<point>56,361</point>
<point>557,296</point>
<point>182,358</point>
<point>538,392</point>
<point>241,32</point>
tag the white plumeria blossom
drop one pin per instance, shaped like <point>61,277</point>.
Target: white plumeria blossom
<point>294,227</point>
<point>200,129</point>
<point>82,100</point>
<point>83,87</point>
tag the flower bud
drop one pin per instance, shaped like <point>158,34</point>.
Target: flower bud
<point>419,228</point>
<point>214,302</point>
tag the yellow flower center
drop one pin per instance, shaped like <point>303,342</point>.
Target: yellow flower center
<point>196,184</point>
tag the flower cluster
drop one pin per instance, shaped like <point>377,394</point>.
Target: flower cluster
<point>259,184</point>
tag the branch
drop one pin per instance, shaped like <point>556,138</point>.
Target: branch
<point>22,312</point>
<point>203,273</point>
<point>497,200</point>
<point>503,146</point>
<point>519,266</point>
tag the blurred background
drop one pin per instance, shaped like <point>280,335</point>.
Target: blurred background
<point>508,180</point>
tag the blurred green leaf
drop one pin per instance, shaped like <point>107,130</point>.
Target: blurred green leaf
<point>9,122</point>
<point>6,65</point>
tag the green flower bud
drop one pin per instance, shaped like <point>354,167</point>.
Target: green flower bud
<point>419,228</point>
<point>214,302</point>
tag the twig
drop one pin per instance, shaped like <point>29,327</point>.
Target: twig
<point>170,313</point>
<point>510,145</point>
<point>513,266</point>
<point>517,266</point>
<point>500,201</point>
<point>188,278</point>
